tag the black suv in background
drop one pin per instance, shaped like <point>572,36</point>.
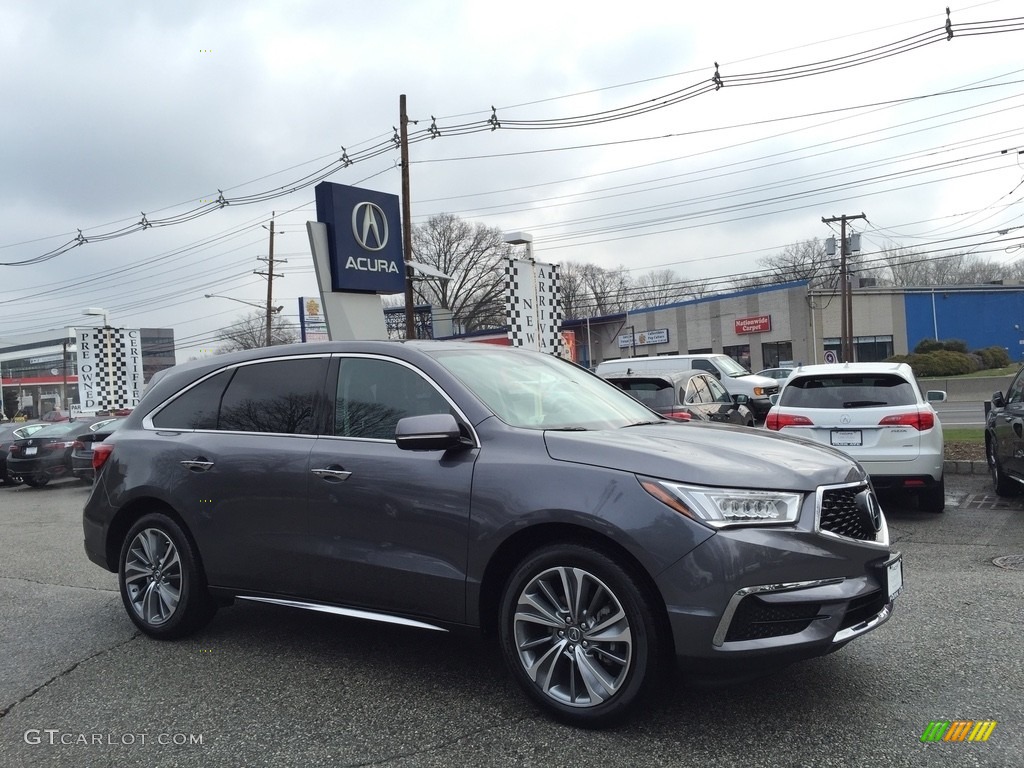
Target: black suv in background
<point>438,484</point>
<point>1004,438</point>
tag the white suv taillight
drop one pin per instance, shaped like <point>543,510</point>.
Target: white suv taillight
<point>919,420</point>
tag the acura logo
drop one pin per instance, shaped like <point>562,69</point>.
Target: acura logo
<point>868,506</point>
<point>370,226</point>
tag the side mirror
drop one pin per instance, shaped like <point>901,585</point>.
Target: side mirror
<point>997,400</point>
<point>740,399</point>
<point>774,399</point>
<point>935,396</point>
<point>433,432</point>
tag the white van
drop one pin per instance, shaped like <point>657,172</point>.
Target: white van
<point>736,379</point>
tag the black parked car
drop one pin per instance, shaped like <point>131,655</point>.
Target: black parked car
<point>1004,438</point>
<point>686,396</point>
<point>8,434</point>
<point>81,450</point>
<point>438,485</point>
<point>46,454</point>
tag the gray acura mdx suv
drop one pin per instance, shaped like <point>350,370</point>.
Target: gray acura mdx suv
<point>439,485</point>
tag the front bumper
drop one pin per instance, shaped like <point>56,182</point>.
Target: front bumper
<point>761,597</point>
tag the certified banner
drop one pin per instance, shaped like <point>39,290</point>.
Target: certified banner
<point>534,306</point>
<point>109,368</point>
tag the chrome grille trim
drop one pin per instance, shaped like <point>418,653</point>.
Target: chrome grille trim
<point>881,537</point>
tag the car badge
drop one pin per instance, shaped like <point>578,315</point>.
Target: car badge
<point>844,419</point>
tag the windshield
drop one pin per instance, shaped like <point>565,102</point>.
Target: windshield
<point>732,368</point>
<point>539,391</point>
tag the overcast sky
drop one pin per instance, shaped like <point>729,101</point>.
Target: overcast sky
<point>113,110</point>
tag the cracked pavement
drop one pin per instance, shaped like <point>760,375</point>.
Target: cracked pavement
<point>268,686</point>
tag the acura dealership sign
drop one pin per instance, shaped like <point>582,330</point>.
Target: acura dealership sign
<point>363,237</point>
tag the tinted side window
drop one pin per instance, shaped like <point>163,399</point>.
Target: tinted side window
<point>718,393</point>
<point>282,396</point>
<point>197,407</point>
<point>703,365</point>
<point>1015,393</point>
<point>700,390</point>
<point>374,394</point>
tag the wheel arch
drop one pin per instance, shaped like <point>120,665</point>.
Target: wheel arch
<point>129,514</point>
<point>517,547</point>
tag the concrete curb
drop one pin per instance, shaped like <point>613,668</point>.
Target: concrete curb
<point>965,467</point>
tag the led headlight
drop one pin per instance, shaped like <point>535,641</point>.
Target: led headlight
<point>721,507</point>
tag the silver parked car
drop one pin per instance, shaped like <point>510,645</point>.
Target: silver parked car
<point>439,485</point>
<point>687,395</point>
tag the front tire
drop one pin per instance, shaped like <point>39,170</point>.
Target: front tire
<point>162,585</point>
<point>581,635</point>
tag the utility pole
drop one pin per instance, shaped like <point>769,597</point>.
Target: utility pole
<point>845,288</point>
<point>403,121</point>
<point>269,274</point>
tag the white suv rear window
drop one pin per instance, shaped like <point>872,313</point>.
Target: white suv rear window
<point>848,391</point>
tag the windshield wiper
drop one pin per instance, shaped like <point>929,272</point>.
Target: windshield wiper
<point>568,429</point>
<point>645,423</point>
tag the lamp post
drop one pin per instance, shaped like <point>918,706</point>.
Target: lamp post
<point>99,311</point>
<point>273,310</point>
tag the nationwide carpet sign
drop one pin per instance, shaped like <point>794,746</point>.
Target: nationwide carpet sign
<point>109,368</point>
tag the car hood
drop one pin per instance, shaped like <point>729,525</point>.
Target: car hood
<point>756,380</point>
<point>708,454</point>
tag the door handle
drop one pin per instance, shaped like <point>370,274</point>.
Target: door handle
<point>331,474</point>
<point>199,464</point>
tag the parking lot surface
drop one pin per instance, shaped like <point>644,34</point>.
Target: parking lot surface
<point>264,686</point>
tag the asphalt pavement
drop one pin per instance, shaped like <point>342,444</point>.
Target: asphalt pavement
<point>265,686</point>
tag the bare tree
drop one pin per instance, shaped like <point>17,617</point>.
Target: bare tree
<point>251,332</point>
<point>609,289</point>
<point>474,257</point>
<point>906,267</point>
<point>657,287</point>
<point>805,260</point>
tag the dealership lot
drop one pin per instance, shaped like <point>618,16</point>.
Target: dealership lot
<point>268,686</point>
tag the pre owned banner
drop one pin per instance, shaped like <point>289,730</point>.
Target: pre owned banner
<point>109,368</point>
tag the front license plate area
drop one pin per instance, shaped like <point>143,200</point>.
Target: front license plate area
<point>894,576</point>
<point>846,437</point>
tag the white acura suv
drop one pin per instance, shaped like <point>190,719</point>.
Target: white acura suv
<point>875,413</point>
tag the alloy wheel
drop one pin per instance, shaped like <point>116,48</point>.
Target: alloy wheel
<point>573,637</point>
<point>153,576</point>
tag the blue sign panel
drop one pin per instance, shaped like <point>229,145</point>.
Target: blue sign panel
<point>364,237</point>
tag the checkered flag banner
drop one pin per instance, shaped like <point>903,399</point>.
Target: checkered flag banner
<point>109,368</point>
<point>534,306</point>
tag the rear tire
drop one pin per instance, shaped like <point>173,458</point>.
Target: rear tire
<point>581,636</point>
<point>933,498</point>
<point>1003,485</point>
<point>162,584</point>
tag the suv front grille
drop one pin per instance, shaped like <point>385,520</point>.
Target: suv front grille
<point>840,514</point>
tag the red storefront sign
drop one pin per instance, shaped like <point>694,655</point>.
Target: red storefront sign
<point>758,324</point>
